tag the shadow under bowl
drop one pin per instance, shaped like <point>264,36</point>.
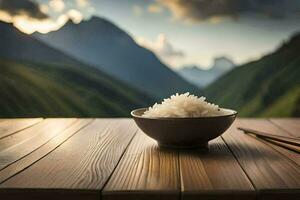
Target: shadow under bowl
<point>184,132</point>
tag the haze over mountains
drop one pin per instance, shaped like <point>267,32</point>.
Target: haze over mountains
<point>266,87</point>
<point>37,80</point>
<point>201,77</point>
<point>102,44</point>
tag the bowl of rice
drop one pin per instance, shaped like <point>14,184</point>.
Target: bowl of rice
<point>184,121</point>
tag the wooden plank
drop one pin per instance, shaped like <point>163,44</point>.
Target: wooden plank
<point>269,127</point>
<point>264,125</point>
<point>291,125</point>
<point>11,126</point>
<point>29,133</point>
<point>82,163</point>
<point>41,152</point>
<point>43,194</point>
<point>273,175</point>
<point>213,175</point>
<point>286,146</point>
<point>145,172</point>
<point>18,145</point>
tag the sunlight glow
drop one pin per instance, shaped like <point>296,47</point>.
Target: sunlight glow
<point>57,5</point>
<point>75,15</point>
<point>29,25</point>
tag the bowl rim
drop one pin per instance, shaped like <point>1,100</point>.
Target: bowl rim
<point>233,113</point>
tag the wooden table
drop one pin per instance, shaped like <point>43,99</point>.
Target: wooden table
<point>72,159</point>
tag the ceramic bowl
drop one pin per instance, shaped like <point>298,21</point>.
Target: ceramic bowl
<point>184,132</point>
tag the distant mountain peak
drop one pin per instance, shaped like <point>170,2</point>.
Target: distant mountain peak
<point>203,77</point>
<point>190,67</point>
<point>95,27</point>
<point>99,19</point>
<point>194,67</point>
<point>223,58</point>
<point>222,64</point>
<point>95,20</point>
<point>98,22</point>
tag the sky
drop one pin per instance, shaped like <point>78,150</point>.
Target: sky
<point>180,32</point>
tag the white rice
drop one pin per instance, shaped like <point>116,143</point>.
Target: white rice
<point>184,105</point>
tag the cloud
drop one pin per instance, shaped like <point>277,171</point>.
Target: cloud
<point>155,8</point>
<point>203,10</point>
<point>44,8</point>
<point>75,16</point>
<point>29,17</point>
<point>22,8</point>
<point>162,48</point>
<point>82,3</point>
<point>57,5</point>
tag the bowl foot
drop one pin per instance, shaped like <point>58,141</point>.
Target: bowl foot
<point>184,146</point>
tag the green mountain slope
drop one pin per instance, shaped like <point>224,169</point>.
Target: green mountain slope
<point>29,89</point>
<point>267,87</point>
<point>100,43</point>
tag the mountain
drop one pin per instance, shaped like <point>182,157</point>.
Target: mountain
<point>269,86</point>
<point>37,80</point>
<point>20,46</point>
<point>100,43</point>
<point>201,77</point>
<point>222,64</point>
<point>51,90</point>
<point>197,76</point>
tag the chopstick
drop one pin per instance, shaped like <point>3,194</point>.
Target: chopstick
<point>283,141</point>
<point>282,144</point>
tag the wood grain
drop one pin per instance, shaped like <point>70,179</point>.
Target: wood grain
<point>82,163</point>
<point>269,127</point>
<point>10,126</point>
<point>287,146</point>
<point>264,125</point>
<point>145,172</point>
<point>18,145</point>
<point>290,125</point>
<point>213,175</point>
<point>72,159</point>
<point>274,176</point>
<point>43,194</point>
<point>288,140</point>
<point>36,155</point>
